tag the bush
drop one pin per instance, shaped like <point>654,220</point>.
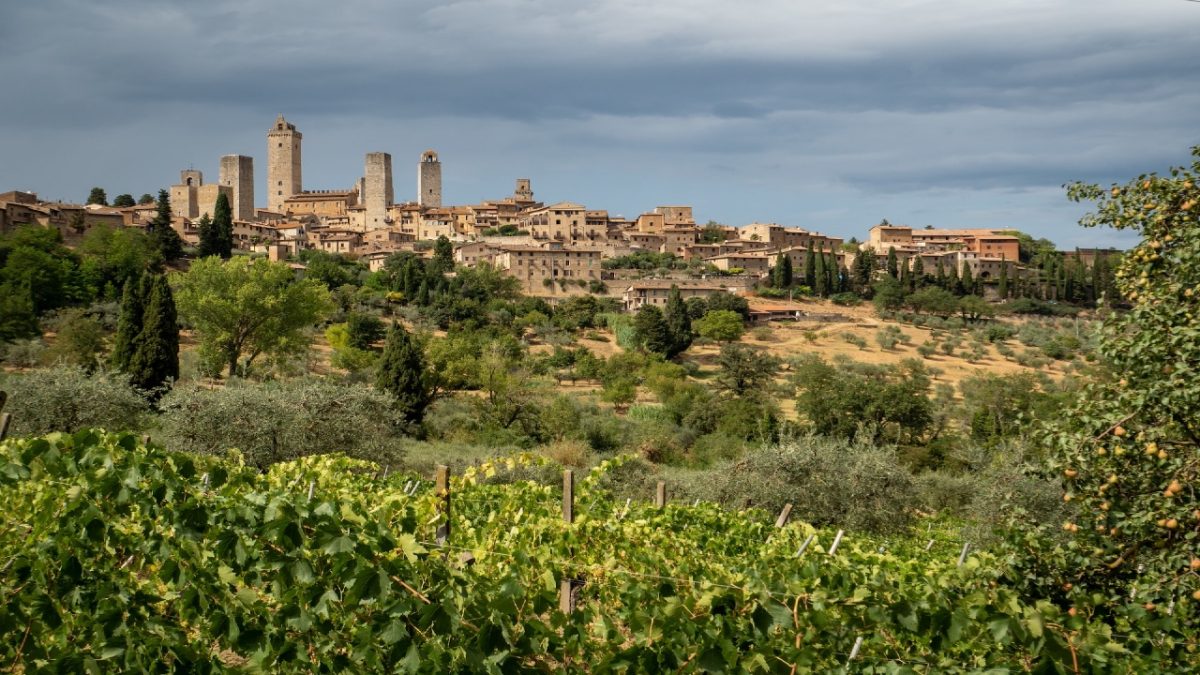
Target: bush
<point>946,492</point>
<point>23,353</point>
<point>829,482</point>
<point>855,340</point>
<point>66,398</point>
<point>279,421</point>
<point>846,299</point>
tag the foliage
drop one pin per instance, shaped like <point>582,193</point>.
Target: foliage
<point>745,370</point>
<point>679,324</point>
<point>403,374</point>
<point>248,308</point>
<point>166,239</point>
<point>123,200</point>
<point>720,325</point>
<point>154,363</point>
<point>1126,450</point>
<point>651,330</point>
<point>68,398</point>
<point>97,196</point>
<point>854,400</point>
<point>110,256</point>
<point>273,422</point>
<point>243,570</point>
<point>78,340</point>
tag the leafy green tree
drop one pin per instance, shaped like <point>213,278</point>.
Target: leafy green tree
<point>745,370</point>
<point>79,340</point>
<point>170,246</point>
<point>123,200</point>
<point>222,224</point>
<point>129,322</point>
<point>97,196</point>
<point>888,295</point>
<point>112,255</point>
<point>443,255</point>
<point>727,301</point>
<point>155,360</point>
<point>210,243</point>
<point>17,316</point>
<point>933,300</point>
<point>146,198</point>
<point>651,330</point>
<point>861,400</point>
<point>679,324</point>
<point>403,374</point>
<point>248,308</point>
<point>721,325</point>
<point>364,330</point>
<point>1126,448</point>
<point>974,308</point>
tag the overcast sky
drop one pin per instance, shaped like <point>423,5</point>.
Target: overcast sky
<point>824,114</point>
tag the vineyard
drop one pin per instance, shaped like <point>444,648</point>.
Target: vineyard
<point>123,556</point>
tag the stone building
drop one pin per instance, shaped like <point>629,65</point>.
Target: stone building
<point>655,292</point>
<point>283,163</point>
<point>778,236</point>
<point>429,180</point>
<point>324,204</point>
<point>237,174</point>
<point>549,270</point>
<point>377,189</point>
<point>564,222</point>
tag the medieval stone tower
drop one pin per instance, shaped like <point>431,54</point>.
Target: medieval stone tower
<point>377,192</point>
<point>237,173</point>
<point>524,191</point>
<point>429,180</point>
<point>283,163</point>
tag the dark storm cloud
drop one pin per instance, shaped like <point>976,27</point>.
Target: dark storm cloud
<point>901,97</point>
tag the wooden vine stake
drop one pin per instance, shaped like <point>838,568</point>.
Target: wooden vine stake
<point>441,482</point>
<point>568,588</point>
<point>962,558</point>
<point>5,420</point>
<point>783,516</point>
<point>660,495</point>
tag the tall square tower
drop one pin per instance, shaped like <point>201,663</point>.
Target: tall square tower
<point>429,180</point>
<point>283,163</point>
<point>237,174</point>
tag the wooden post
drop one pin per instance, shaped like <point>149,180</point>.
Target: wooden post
<point>441,482</point>
<point>804,546</point>
<point>146,439</point>
<point>660,495</point>
<point>836,540</point>
<point>625,511</point>
<point>783,516</point>
<point>929,545</point>
<point>854,650</point>
<point>568,497</point>
<point>963,556</point>
<point>3,398</point>
<point>566,587</point>
<point>5,420</point>
<point>311,486</point>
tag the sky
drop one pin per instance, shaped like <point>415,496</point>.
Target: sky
<point>824,114</point>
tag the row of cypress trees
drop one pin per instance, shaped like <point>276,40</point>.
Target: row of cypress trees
<point>216,233</point>
<point>147,342</point>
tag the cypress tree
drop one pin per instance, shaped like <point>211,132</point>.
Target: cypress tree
<point>423,294</point>
<point>402,374</point>
<point>906,280</point>
<point>821,288</point>
<point>918,272</point>
<point>222,224</point>
<point>968,281</point>
<point>831,272</point>
<point>1003,279</point>
<point>169,243</point>
<point>939,277</point>
<point>210,243</point>
<point>129,322</point>
<point>155,359</point>
<point>893,268</point>
<point>810,267</point>
<point>952,283</point>
<point>679,325</point>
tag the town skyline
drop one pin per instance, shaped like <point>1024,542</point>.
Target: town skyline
<point>827,117</point>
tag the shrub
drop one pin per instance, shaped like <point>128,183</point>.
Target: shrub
<point>855,340</point>
<point>67,398</point>
<point>829,482</point>
<point>947,492</point>
<point>846,299</point>
<point>279,421</point>
<point>25,353</point>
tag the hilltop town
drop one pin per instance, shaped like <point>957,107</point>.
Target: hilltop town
<point>554,250</point>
